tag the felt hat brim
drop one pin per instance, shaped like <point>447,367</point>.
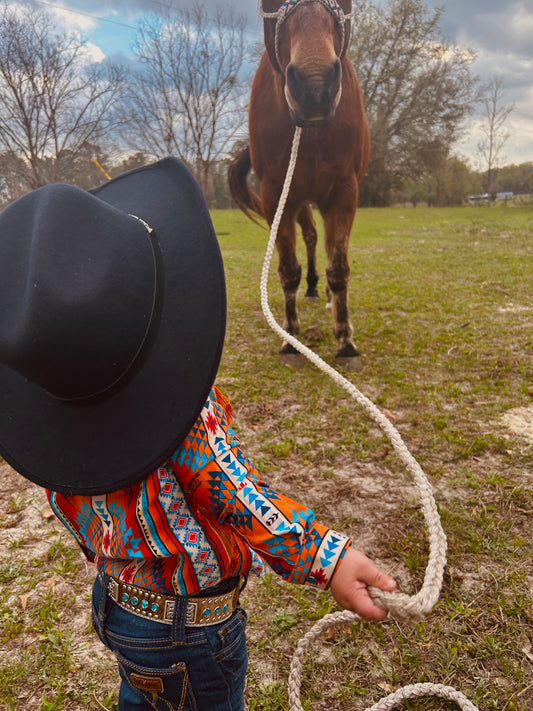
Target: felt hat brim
<point>99,447</point>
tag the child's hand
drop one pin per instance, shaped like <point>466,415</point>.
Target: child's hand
<point>349,585</point>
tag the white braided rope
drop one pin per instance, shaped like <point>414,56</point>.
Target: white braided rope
<point>399,605</point>
<point>387,703</point>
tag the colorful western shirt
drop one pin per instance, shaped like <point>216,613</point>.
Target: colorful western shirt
<point>203,516</point>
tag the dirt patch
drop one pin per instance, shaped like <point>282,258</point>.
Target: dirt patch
<point>520,421</point>
<point>34,584</point>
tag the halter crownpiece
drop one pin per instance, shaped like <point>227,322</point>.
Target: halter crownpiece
<point>288,7</point>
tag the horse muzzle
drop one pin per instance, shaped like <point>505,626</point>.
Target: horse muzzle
<point>313,100</point>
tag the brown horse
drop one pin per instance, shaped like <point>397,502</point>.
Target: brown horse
<point>305,79</point>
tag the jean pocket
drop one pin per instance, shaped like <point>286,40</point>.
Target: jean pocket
<point>160,688</point>
<point>230,637</point>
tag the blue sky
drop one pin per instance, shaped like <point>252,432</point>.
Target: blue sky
<point>499,31</point>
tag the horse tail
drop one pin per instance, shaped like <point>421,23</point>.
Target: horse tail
<point>243,195</point>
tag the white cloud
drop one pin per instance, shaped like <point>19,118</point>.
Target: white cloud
<point>92,53</point>
<point>73,20</point>
<point>81,25</point>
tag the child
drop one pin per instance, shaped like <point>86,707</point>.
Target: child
<point>112,319</point>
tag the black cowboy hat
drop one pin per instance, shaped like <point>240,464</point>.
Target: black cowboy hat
<point>112,320</point>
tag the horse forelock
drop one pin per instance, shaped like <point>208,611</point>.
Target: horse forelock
<point>314,38</point>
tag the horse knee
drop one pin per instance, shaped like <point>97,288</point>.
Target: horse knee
<point>290,277</point>
<point>338,277</point>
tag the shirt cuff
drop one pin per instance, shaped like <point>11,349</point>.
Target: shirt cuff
<point>328,556</point>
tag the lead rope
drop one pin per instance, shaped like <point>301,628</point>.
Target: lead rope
<point>399,605</point>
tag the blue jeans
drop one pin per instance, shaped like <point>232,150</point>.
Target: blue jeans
<point>173,667</point>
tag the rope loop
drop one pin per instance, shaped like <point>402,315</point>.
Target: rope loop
<point>399,605</point>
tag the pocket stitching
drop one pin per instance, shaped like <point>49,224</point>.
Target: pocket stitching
<point>179,667</point>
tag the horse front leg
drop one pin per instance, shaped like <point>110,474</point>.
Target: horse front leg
<point>289,269</point>
<point>290,274</point>
<point>307,223</point>
<point>338,220</point>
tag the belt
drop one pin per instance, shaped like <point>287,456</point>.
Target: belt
<point>201,611</point>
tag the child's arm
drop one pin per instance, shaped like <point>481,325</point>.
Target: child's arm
<point>349,585</point>
<point>221,482</point>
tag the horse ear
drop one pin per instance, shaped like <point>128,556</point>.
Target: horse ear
<point>270,42</point>
<point>345,6</point>
<point>270,5</point>
<point>269,26</point>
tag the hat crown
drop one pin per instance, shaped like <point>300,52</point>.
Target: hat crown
<point>125,327</point>
<point>77,289</point>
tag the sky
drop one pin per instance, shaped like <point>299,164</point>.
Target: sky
<point>500,32</point>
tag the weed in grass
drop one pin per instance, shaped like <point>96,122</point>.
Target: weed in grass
<point>270,697</point>
<point>282,621</point>
<point>10,570</point>
<point>14,543</point>
<point>56,703</point>
<point>15,504</point>
<point>55,645</point>
<point>12,622</point>
<point>312,606</point>
<point>280,449</point>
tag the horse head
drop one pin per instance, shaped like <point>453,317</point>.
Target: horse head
<point>306,41</point>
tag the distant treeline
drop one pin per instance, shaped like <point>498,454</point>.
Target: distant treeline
<point>185,89</point>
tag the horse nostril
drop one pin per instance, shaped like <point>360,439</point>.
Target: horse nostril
<point>335,72</point>
<point>295,83</point>
<point>335,76</point>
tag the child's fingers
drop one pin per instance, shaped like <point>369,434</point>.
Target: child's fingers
<point>364,606</point>
<point>349,585</point>
<point>370,574</point>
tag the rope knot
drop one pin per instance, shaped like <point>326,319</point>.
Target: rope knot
<point>401,607</point>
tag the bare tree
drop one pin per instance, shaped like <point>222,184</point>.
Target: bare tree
<point>494,131</point>
<point>52,99</point>
<point>11,184</point>
<point>417,89</point>
<point>186,98</point>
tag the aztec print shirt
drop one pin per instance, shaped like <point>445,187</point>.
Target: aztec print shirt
<point>203,516</point>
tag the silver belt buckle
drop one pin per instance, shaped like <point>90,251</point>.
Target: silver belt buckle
<point>168,614</point>
<point>112,589</point>
<point>190,615</point>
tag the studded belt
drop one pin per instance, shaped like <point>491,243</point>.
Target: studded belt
<point>201,611</point>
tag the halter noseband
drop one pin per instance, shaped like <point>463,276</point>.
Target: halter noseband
<point>288,8</point>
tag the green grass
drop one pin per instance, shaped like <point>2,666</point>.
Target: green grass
<point>442,307</point>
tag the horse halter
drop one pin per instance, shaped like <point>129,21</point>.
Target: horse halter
<point>289,6</point>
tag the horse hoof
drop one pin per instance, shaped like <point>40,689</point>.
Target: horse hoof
<point>348,357</point>
<point>291,360</point>
<point>312,295</point>
<point>287,349</point>
<point>349,362</point>
<point>313,333</point>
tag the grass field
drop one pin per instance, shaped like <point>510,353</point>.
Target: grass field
<point>442,308</point>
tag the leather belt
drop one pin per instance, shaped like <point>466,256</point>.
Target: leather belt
<point>201,611</point>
